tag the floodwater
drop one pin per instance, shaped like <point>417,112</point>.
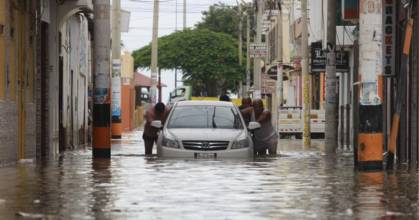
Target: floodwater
<point>301,184</point>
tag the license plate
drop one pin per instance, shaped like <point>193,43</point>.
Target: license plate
<point>205,155</point>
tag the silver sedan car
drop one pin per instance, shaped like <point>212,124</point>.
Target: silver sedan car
<point>205,129</point>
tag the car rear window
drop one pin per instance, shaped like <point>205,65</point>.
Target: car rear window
<point>205,117</point>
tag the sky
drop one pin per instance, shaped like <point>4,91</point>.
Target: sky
<point>141,21</point>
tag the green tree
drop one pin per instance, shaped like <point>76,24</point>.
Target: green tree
<point>225,19</point>
<point>208,60</point>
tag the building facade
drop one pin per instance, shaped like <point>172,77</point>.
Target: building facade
<point>75,76</point>
<point>127,92</point>
<point>62,68</point>
<point>45,67</point>
<point>17,80</point>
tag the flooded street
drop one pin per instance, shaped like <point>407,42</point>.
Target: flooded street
<point>298,185</point>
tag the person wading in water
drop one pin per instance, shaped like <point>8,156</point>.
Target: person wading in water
<point>246,103</point>
<point>265,138</point>
<point>156,112</point>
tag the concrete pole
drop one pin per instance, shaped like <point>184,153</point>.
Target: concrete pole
<point>154,52</point>
<point>175,78</point>
<point>370,136</point>
<point>176,30</point>
<point>280,69</point>
<point>279,92</point>
<point>331,96</point>
<point>101,107</point>
<point>240,45</point>
<point>159,87</point>
<point>116,70</point>
<point>280,84</point>
<point>184,14</point>
<point>347,112</point>
<point>248,56</point>
<point>306,77</point>
<point>176,15</point>
<point>340,109</point>
<point>257,66</point>
<point>354,101</point>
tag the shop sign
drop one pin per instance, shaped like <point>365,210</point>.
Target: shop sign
<point>389,30</point>
<point>258,50</point>
<point>318,59</point>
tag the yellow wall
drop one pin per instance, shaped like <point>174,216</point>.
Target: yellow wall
<point>2,50</point>
<point>12,55</point>
<point>20,35</point>
<point>30,90</point>
<point>29,59</point>
<point>237,102</point>
<point>127,65</point>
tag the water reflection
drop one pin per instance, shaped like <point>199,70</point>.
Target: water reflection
<point>370,197</point>
<point>299,185</point>
<point>101,185</point>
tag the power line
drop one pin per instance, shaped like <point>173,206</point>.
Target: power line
<point>149,28</point>
<point>173,2</point>
<point>151,1</point>
<point>167,11</point>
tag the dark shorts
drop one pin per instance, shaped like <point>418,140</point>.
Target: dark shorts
<point>270,145</point>
<point>148,144</point>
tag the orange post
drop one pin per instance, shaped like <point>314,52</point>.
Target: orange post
<point>408,37</point>
<point>117,130</point>
<point>395,124</point>
<point>380,90</point>
<point>370,148</point>
<point>394,131</point>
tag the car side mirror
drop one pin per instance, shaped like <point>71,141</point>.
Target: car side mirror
<point>253,125</point>
<point>156,124</point>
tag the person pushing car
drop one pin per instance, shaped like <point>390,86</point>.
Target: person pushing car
<point>157,112</point>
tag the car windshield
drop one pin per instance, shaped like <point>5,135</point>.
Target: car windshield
<point>205,117</point>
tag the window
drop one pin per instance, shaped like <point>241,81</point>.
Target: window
<point>205,117</point>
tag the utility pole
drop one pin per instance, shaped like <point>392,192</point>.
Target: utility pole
<point>240,45</point>
<point>116,70</point>
<point>184,14</point>
<point>248,55</point>
<point>176,15</point>
<point>306,81</point>
<point>257,65</point>
<point>184,28</point>
<point>280,68</point>
<point>280,84</point>
<point>331,96</point>
<point>159,86</point>
<point>154,52</point>
<point>176,30</point>
<point>102,106</point>
<point>370,135</point>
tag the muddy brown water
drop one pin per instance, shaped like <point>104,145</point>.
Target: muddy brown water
<point>301,184</point>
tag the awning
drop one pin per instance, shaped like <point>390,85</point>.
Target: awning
<point>143,80</point>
